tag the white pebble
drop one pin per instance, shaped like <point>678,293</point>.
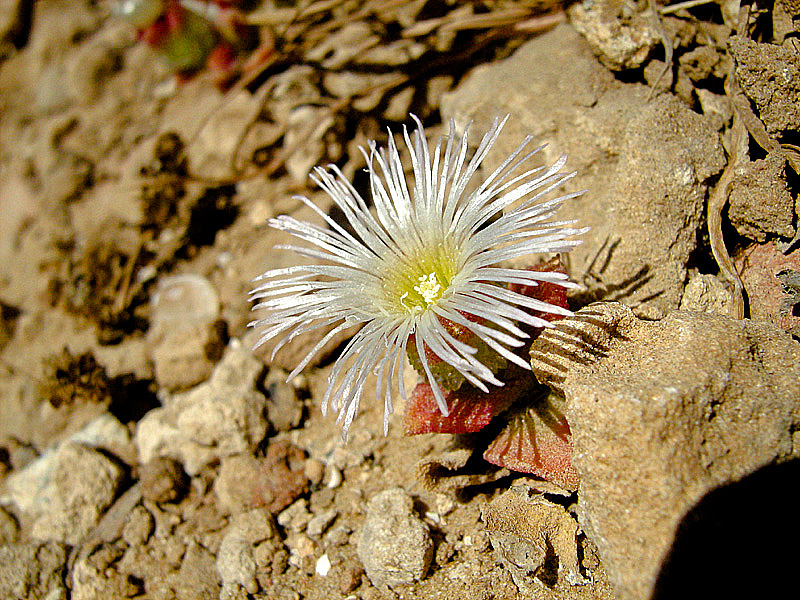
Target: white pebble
<point>323,565</point>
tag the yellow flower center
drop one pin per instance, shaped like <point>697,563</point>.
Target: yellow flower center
<point>429,288</point>
<point>413,287</point>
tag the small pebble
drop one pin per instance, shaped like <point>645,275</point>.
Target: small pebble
<point>444,504</point>
<point>163,480</point>
<point>301,547</point>
<point>264,553</point>
<point>314,470</point>
<point>323,565</point>
<point>320,522</point>
<point>339,535</point>
<point>333,478</point>
<point>138,526</point>
<point>295,517</point>
<point>350,579</point>
<point>444,554</point>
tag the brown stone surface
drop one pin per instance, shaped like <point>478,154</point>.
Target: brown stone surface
<point>662,413</point>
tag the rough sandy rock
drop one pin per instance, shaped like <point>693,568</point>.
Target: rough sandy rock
<point>284,408</point>
<point>184,309</point>
<point>705,293</point>
<point>769,76</point>
<point>621,41</point>
<point>760,204</point>
<point>84,484</point>
<point>235,561</point>
<point>395,546</point>
<point>30,488</point>
<point>163,480</point>
<point>667,156</point>
<point>65,491</point>
<point>221,417</point>
<point>662,413</point>
<point>197,579</point>
<point>646,164</point>
<point>92,581</point>
<point>274,481</point>
<point>524,529</point>
<point>33,571</point>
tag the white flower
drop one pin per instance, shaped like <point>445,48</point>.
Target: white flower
<point>427,253</point>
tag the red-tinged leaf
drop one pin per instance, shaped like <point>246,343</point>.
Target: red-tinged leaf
<point>537,440</point>
<point>546,292</point>
<point>154,35</point>
<point>446,375</point>
<point>769,277</point>
<point>470,408</point>
<point>222,58</point>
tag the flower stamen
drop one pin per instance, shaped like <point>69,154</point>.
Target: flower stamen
<point>429,288</point>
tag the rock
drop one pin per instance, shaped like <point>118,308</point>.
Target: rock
<point>235,561</point>
<point>661,414</point>
<point>395,546</point>
<point>716,107</point>
<point>647,165</point>
<point>238,485</point>
<point>85,483</point>
<point>65,491</point>
<point>768,75</point>
<point>197,579</point>
<point>314,470</point>
<point>284,408</point>
<point>184,311</point>
<point>320,522</point>
<point>33,571</point>
<point>301,551</point>
<point>706,293</point>
<point>9,528</point>
<point>295,517</point>
<point>27,486</point>
<point>323,566</point>
<point>219,418</point>
<point>621,38</point>
<point>163,480</point>
<point>275,481</point>
<point>524,529</point>
<point>138,526</point>
<point>700,63</point>
<point>662,182</point>
<point>760,205</point>
<point>94,579</point>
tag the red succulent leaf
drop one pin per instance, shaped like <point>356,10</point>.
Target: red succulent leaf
<point>537,440</point>
<point>551,293</point>
<point>770,279</point>
<point>446,375</point>
<point>470,408</point>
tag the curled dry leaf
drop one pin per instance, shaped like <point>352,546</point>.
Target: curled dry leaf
<point>450,469</point>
